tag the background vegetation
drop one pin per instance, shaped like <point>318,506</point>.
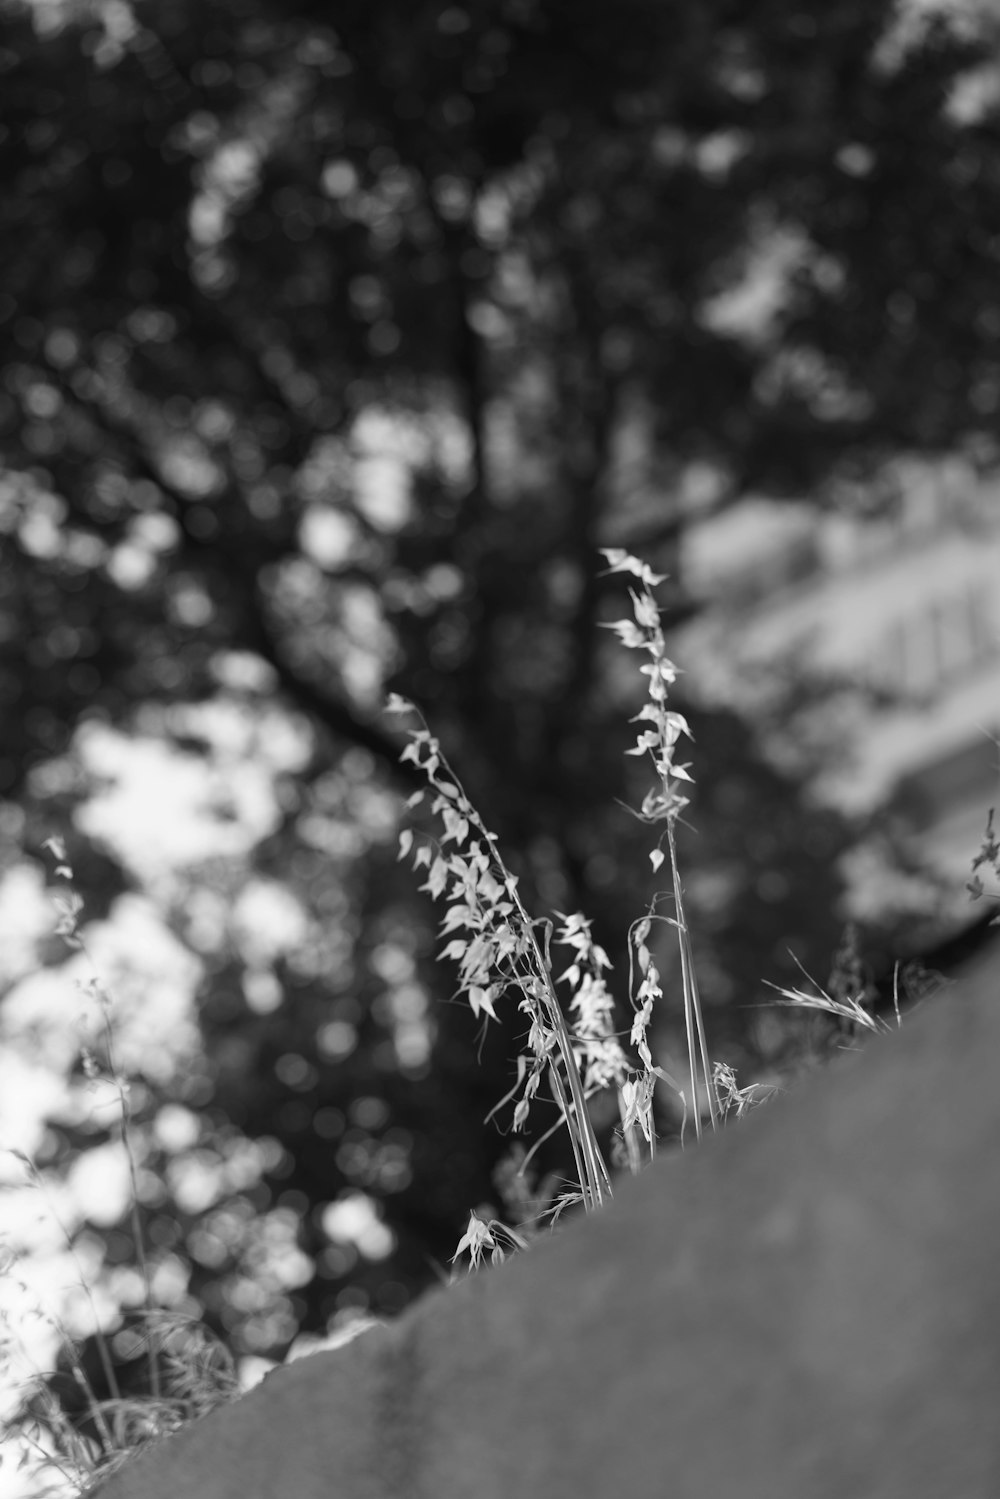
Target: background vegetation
<point>333,342</point>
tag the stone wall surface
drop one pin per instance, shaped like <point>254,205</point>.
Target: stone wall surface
<point>805,1307</point>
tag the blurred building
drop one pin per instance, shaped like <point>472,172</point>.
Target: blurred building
<point>901,607</point>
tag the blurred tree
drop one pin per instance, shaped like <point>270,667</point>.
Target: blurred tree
<point>332,347</point>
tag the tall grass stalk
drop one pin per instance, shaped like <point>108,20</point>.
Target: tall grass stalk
<point>70,906</point>
<point>658,739</point>
<point>500,949</point>
<point>189,1371</point>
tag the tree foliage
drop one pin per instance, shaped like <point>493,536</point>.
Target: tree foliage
<point>334,340</point>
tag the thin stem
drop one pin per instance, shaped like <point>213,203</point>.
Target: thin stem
<point>693,1019</point>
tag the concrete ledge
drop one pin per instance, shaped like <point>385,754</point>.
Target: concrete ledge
<point>807,1307</point>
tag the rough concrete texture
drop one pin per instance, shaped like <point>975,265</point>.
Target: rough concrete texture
<point>806,1307</point>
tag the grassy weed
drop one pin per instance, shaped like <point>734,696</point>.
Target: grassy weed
<point>70,1436</point>
<point>502,952</point>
